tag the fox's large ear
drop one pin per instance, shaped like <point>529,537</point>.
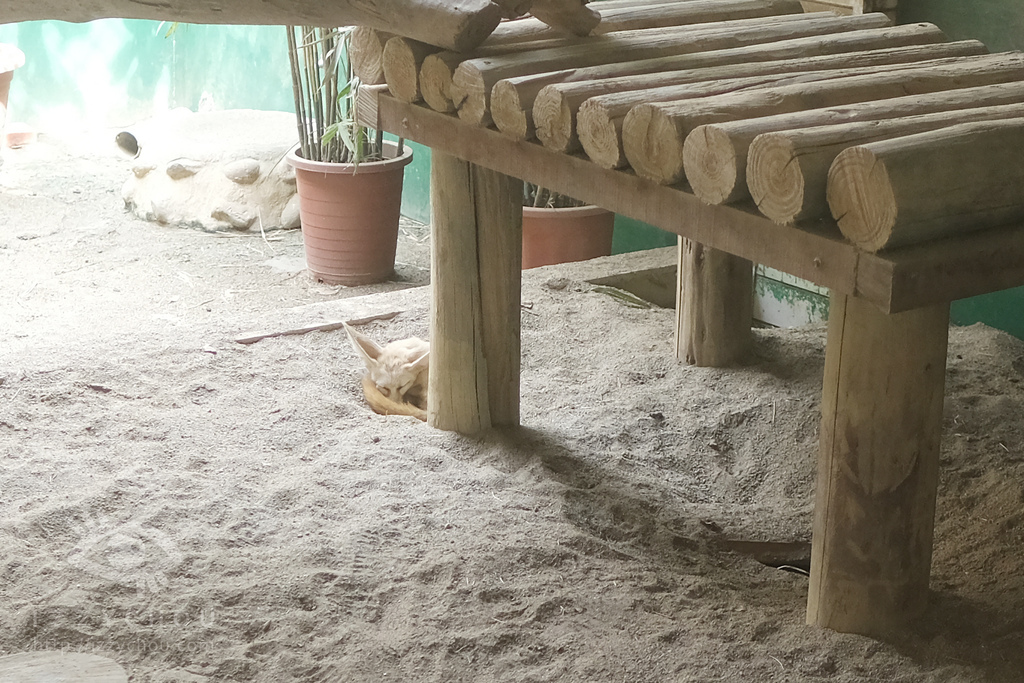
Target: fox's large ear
<point>420,363</point>
<point>365,347</point>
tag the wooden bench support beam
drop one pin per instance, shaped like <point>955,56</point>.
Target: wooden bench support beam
<point>714,306</point>
<point>475,275</point>
<point>878,466</point>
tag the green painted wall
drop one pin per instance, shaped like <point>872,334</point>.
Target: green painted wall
<point>416,190</point>
<point>114,72</point>
<point>997,23</point>
<point>634,235</point>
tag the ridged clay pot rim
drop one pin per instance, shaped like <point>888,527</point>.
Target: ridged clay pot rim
<point>578,211</point>
<point>362,167</point>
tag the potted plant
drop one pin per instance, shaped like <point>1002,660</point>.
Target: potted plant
<point>559,229</point>
<point>349,180</point>
<point>10,59</point>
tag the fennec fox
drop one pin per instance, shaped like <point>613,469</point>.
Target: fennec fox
<point>396,379</point>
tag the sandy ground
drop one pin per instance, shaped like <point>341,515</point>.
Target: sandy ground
<point>202,510</point>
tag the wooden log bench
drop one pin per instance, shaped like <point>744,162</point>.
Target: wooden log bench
<point>885,351</point>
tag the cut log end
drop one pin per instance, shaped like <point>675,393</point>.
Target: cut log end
<point>366,51</point>
<point>709,161</point>
<point>507,112</point>
<point>653,145</point>
<point>436,80</point>
<point>861,198</point>
<point>402,68</point>
<point>774,178</point>
<point>554,121</point>
<point>600,136</point>
<point>469,95</point>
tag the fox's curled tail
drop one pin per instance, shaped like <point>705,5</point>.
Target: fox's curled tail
<point>383,405</point>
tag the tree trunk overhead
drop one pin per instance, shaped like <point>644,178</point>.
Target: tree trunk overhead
<point>456,26</point>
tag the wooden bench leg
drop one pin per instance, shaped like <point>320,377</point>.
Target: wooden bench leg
<point>476,256</point>
<point>714,306</point>
<point>878,466</point>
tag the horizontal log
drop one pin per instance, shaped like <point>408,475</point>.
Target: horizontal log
<point>366,52</point>
<point>520,35</point>
<point>653,134</point>
<point>595,130</point>
<point>600,119</point>
<point>456,26</point>
<point>557,96</point>
<point>438,69</point>
<point>512,108</point>
<point>403,58</point>
<point>431,75</point>
<point>473,80</point>
<point>665,14</point>
<point>922,187</point>
<point>788,170</point>
<point>715,155</point>
<point>638,14</point>
<point>436,79</point>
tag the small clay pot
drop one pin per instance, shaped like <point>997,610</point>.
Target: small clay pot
<point>10,59</point>
<point>562,235</point>
<point>349,215</point>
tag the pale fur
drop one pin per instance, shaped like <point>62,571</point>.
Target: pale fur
<point>398,371</point>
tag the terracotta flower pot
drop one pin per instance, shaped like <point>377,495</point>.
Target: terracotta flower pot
<point>349,216</point>
<point>562,235</point>
<point>10,59</point>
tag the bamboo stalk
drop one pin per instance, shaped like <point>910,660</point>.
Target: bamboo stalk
<point>300,108</point>
<point>473,79</point>
<point>653,134</point>
<point>929,185</point>
<point>788,170</point>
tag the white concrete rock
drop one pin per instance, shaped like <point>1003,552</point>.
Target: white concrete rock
<point>218,170</point>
